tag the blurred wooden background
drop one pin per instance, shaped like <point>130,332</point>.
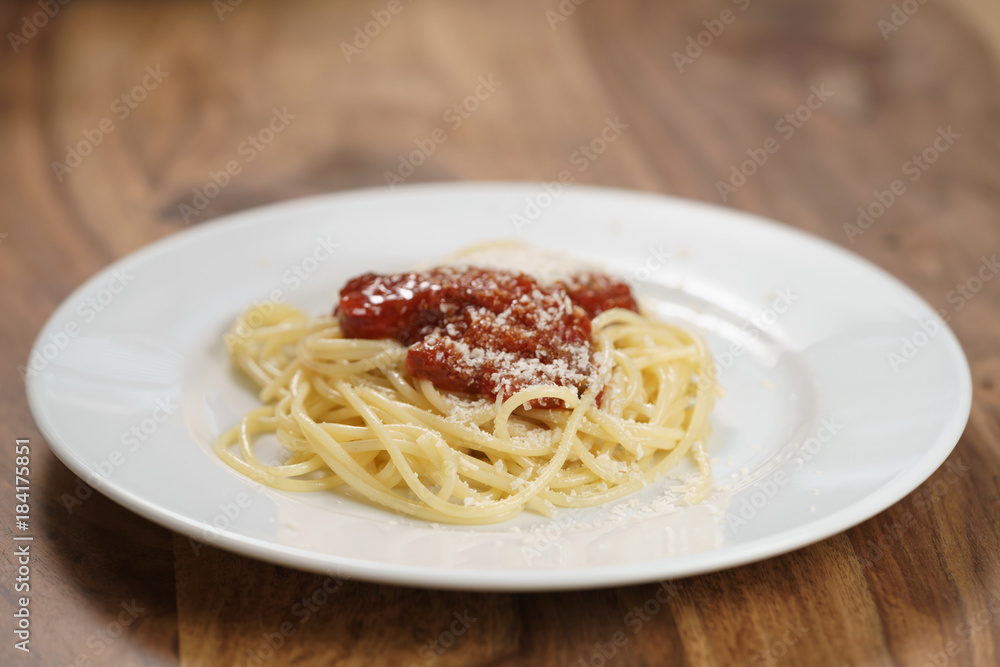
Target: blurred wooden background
<point>212,74</point>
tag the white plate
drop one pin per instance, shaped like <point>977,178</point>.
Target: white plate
<point>821,427</point>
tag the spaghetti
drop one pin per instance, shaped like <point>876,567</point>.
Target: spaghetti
<point>540,433</point>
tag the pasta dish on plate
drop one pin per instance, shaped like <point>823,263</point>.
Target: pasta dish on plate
<point>505,378</point>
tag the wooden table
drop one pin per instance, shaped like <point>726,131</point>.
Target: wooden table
<point>157,97</point>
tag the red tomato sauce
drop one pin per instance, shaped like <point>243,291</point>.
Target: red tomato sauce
<point>483,331</point>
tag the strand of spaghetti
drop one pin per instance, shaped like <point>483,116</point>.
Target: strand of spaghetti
<point>514,501</point>
<point>663,377</point>
<point>553,419</point>
<point>405,389</point>
<point>563,450</point>
<point>433,396</point>
<point>279,382</point>
<point>671,459</point>
<point>388,475</point>
<point>591,462</point>
<point>658,437</point>
<point>260,475</point>
<point>573,478</point>
<point>345,434</point>
<point>287,431</point>
<point>599,468</point>
<point>485,474</point>
<point>473,437</point>
<point>629,433</point>
<point>341,369</point>
<point>701,490</point>
<point>325,390</point>
<point>427,445</point>
<point>330,344</point>
<point>345,467</point>
<point>566,441</point>
<point>449,478</point>
<point>563,499</point>
<point>587,403</point>
<point>374,446</point>
<point>566,394</point>
<point>249,365</point>
<point>273,339</point>
<point>260,420</point>
<point>662,356</point>
<point>698,418</point>
<point>400,461</point>
<point>631,381</point>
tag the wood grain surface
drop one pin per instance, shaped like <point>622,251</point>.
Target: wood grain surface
<point>109,588</point>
